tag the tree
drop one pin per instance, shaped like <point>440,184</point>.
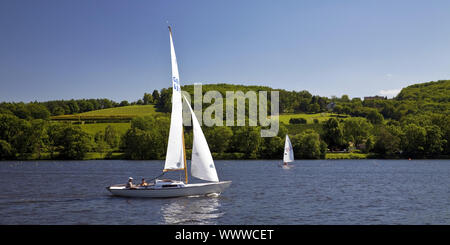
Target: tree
<point>155,96</point>
<point>146,139</point>
<point>413,140</point>
<point>9,127</point>
<point>387,141</point>
<point>218,138</point>
<point>303,104</point>
<point>271,148</point>
<point>73,107</point>
<point>6,150</point>
<point>333,134</point>
<point>313,108</point>
<point>375,117</point>
<point>38,111</point>
<point>124,103</point>
<point>111,137</point>
<point>337,109</point>
<point>368,145</point>
<point>164,103</point>
<point>389,111</point>
<point>37,137</point>
<point>297,121</point>
<point>21,111</point>
<point>345,98</point>
<point>142,145</point>
<point>58,111</point>
<point>247,140</point>
<point>23,137</point>
<point>282,131</point>
<point>434,141</point>
<point>70,141</point>
<point>323,149</point>
<point>105,103</point>
<point>307,145</point>
<point>356,130</point>
<point>85,105</point>
<point>100,144</point>
<point>148,98</point>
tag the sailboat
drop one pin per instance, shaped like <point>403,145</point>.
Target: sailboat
<point>202,163</point>
<point>288,153</point>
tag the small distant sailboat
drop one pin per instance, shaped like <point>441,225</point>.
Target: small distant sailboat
<point>202,163</point>
<point>288,154</point>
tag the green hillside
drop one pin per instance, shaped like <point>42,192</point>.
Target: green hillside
<point>431,91</point>
<point>414,124</point>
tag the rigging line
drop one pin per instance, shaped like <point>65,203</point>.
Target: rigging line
<point>157,176</point>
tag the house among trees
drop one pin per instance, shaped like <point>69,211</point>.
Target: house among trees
<point>331,106</point>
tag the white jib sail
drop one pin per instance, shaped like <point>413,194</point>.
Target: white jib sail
<point>202,163</point>
<point>288,151</point>
<point>174,155</point>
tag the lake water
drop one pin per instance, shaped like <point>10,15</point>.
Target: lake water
<point>312,192</point>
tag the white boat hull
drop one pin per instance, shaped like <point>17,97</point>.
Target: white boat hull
<point>199,189</point>
<point>287,166</point>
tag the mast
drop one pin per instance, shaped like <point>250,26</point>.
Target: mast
<point>184,158</point>
<point>182,133</point>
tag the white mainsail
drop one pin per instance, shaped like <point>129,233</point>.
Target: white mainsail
<point>202,163</point>
<point>288,151</point>
<point>174,155</point>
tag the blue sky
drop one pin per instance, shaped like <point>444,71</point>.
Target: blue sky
<point>64,49</point>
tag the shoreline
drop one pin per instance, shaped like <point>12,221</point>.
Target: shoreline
<point>94,156</point>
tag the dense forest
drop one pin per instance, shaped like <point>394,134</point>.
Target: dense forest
<point>414,124</point>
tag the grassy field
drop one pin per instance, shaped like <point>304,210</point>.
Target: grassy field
<point>346,156</point>
<point>137,110</point>
<point>129,112</point>
<point>118,118</point>
<point>284,118</point>
<point>124,112</point>
<point>101,156</point>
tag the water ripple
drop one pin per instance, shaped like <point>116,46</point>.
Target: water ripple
<point>313,192</point>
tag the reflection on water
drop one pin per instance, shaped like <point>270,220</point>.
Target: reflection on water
<point>191,210</point>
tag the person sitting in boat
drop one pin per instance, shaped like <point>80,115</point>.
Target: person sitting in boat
<point>143,183</point>
<point>130,183</point>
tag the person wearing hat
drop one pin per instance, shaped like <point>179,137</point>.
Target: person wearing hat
<point>130,183</point>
